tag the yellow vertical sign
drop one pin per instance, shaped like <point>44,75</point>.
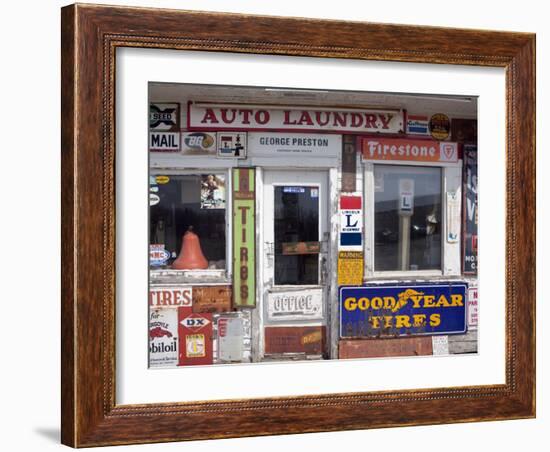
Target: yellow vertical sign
<point>350,268</point>
<point>244,228</point>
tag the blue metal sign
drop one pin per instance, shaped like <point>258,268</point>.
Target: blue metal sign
<point>403,310</point>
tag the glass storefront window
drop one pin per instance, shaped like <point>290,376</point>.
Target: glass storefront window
<point>296,235</point>
<point>407,219</point>
<point>197,202</point>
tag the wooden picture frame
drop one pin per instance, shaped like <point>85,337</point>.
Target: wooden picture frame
<point>90,37</point>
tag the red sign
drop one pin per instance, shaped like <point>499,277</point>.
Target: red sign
<point>295,339</point>
<point>170,297</point>
<point>408,150</point>
<point>195,336</point>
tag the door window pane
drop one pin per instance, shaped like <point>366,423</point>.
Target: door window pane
<point>179,203</point>
<point>407,218</point>
<point>296,235</point>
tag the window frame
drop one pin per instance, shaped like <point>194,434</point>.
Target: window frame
<point>206,276</point>
<point>451,180</point>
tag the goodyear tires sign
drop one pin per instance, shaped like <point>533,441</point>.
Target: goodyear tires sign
<point>403,310</point>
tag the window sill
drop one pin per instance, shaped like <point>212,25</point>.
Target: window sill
<point>195,277</point>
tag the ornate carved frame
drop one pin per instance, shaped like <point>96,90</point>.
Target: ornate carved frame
<point>90,37</point>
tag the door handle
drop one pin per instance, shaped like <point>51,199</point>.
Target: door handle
<point>324,271</point>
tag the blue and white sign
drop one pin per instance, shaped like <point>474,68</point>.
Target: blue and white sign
<point>403,310</point>
<point>158,256</point>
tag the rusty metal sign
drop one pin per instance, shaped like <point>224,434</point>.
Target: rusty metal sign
<point>378,348</point>
<point>212,299</point>
<point>170,296</point>
<point>293,248</point>
<point>195,338</point>
<point>350,268</point>
<point>244,226</point>
<point>349,164</point>
<point>230,339</point>
<point>295,339</point>
<point>302,304</point>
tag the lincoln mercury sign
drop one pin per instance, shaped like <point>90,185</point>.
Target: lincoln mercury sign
<point>206,116</point>
<point>403,310</point>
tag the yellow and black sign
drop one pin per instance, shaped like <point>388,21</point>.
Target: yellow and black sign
<point>350,268</point>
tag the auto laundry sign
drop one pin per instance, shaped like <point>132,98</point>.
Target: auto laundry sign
<point>205,116</point>
<point>274,145</point>
<point>408,150</point>
<point>403,310</point>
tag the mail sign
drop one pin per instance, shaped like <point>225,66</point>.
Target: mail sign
<point>403,310</point>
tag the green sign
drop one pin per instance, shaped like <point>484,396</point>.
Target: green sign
<point>244,249</point>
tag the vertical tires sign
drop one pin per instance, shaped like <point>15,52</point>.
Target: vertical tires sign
<point>244,226</point>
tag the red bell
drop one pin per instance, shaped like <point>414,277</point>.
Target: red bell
<point>190,257</point>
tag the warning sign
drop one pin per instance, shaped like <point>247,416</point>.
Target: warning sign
<point>350,268</point>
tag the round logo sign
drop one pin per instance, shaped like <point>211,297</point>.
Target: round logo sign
<point>162,180</point>
<point>440,126</point>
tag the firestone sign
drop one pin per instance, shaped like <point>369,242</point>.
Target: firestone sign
<point>408,150</point>
<point>253,117</point>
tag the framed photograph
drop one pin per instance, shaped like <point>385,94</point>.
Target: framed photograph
<point>282,225</point>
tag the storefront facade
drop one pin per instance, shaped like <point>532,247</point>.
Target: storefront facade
<point>280,231</point>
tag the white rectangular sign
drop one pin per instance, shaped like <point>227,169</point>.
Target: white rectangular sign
<point>163,337</point>
<point>170,296</point>
<point>205,116</point>
<point>406,196</point>
<point>453,216</point>
<point>302,304</point>
<point>230,339</point>
<point>472,311</point>
<point>284,145</point>
<point>164,141</point>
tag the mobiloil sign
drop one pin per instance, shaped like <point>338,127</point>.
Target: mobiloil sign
<point>403,310</point>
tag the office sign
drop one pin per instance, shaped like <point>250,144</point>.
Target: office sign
<point>244,227</point>
<point>403,310</point>
<point>205,116</point>
<point>408,150</point>
<point>302,304</point>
